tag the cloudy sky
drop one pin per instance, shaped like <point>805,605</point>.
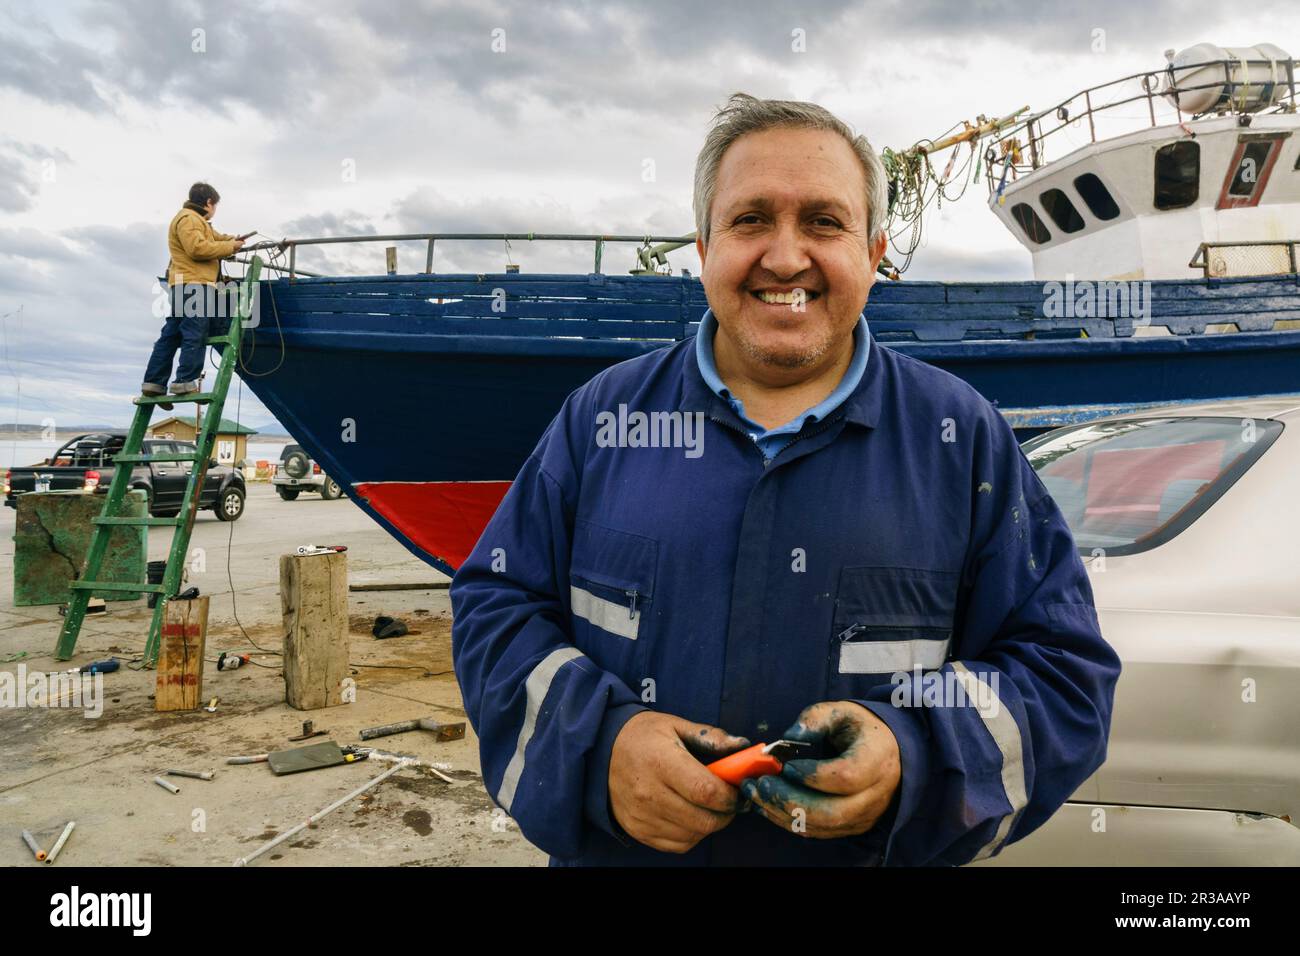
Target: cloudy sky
<point>343,118</point>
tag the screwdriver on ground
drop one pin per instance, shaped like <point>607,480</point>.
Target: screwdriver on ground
<point>98,667</point>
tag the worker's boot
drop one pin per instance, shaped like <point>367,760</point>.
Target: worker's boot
<point>150,390</point>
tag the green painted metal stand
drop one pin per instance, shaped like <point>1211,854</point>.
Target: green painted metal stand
<point>86,585</point>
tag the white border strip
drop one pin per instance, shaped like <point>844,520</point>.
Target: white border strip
<point>1004,730</point>
<point>606,615</point>
<point>537,687</point>
<point>885,657</point>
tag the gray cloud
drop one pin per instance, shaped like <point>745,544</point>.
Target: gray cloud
<point>47,66</point>
<point>582,57</point>
<point>19,177</point>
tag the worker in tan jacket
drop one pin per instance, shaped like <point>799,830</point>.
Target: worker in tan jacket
<point>199,305</point>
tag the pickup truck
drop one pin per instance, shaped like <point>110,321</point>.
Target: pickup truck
<point>86,463</point>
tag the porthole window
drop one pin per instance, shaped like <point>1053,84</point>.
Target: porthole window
<point>1061,210</point>
<point>1178,174</point>
<point>1098,198</point>
<point>1030,223</point>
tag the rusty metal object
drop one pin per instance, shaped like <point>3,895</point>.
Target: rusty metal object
<point>442,732</point>
<point>309,731</point>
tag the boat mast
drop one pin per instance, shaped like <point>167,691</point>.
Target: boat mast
<point>914,185</point>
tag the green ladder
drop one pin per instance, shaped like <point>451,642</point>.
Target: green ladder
<point>109,518</point>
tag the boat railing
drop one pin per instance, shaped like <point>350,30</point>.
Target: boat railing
<point>1261,257</point>
<point>649,308</point>
<point>1023,147</point>
<point>651,252</point>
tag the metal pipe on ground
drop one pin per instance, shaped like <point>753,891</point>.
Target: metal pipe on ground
<point>245,860</point>
<point>63,838</point>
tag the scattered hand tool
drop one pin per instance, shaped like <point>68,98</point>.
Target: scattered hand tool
<point>212,705</point>
<point>756,761</point>
<point>254,758</point>
<point>314,757</point>
<point>441,731</point>
<point>35,847</point>
<point>196,774</point>
<point>63,838</point>
<point>228,662</point>
<point>308,731</point>
<point>305,549</point>
<point>385,756</point>
<point>98,667</point>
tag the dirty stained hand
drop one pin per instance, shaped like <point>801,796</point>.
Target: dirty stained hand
<point>659,791</point>
<point>843,795</point>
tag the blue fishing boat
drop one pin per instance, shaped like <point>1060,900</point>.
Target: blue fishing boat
<point>1165,262</point>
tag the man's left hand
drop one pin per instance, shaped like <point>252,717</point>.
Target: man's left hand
<point>843,795</point>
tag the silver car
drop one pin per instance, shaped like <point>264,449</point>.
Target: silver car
<point>1188,520</point>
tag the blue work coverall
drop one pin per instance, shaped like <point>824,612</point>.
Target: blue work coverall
<point>902,539</point>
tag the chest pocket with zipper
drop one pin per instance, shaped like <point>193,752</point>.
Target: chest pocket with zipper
<point>611,596</point>
<point>889,620</point>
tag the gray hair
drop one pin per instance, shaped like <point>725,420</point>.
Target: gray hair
<point>747,114</point>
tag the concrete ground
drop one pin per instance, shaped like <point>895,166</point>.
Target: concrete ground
<point>59,765</point>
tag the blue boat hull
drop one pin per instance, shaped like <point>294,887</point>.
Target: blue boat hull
<point>423,402</point>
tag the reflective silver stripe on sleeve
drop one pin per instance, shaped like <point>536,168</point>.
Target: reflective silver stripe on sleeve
<point>1004,730</point>
<point>536,688</point>
<point>606,615</point>
<point>883,657</point>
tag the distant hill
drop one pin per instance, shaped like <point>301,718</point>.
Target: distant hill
<point>23,431</point>
<point>20,430</point>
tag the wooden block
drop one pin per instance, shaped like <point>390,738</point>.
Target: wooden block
<point>52,533</point>
<point>180,655</point>
<point>314,602</point>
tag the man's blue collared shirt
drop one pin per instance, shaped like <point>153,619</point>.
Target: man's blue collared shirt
<point>771,441</point>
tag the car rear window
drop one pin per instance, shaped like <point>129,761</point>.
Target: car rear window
<point>1128,486</point>
<point>96,452</point>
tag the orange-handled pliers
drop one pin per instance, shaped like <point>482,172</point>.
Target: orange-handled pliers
<point>756,761</point>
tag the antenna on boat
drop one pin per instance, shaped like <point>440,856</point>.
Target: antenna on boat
<point>914,185</point>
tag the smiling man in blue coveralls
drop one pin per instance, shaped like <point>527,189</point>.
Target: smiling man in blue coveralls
<point>780,529</point>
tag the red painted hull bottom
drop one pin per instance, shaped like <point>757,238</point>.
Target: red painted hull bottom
<point>442,518</point>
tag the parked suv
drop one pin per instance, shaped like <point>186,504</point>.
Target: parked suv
<point>296,472</point>
<point>86,463</point>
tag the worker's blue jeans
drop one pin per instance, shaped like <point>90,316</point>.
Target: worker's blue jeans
<point>208,315</point>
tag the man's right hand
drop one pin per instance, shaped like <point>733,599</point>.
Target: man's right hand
<point>239,244</point>
<point>659,792</point>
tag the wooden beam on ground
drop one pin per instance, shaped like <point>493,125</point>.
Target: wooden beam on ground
<point>400,586</point>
